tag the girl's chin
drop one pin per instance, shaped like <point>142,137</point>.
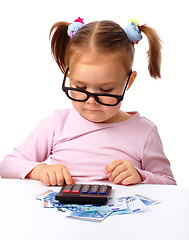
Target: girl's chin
<point>93,117</point>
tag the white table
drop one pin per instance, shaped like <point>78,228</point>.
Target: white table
<point>24,218</point>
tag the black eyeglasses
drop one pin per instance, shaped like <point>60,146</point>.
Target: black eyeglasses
<point>81,95</point>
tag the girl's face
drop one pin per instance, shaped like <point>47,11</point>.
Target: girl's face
<point>104,75</point>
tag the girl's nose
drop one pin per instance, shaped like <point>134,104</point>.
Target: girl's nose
<point>91,100</point>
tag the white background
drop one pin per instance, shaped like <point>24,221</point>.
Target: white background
<point>30,80</point>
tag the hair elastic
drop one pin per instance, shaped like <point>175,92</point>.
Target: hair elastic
<point>133,32</point>
<point>75,26</point>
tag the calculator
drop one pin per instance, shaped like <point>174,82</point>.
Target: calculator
<point>84,194</point>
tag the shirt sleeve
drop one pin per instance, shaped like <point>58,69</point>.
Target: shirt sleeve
<point>155,167</point>
<point>33,151</point>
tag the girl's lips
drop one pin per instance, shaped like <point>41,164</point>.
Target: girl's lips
<point>93,110</point>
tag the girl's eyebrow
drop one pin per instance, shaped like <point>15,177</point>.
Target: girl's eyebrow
<point>77,81</point>
<point>101,84</point>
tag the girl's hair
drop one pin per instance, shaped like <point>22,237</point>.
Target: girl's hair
<point>103,37</point>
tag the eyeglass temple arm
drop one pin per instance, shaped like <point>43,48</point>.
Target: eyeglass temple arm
<point>65,74</point>
<point>127,82</point>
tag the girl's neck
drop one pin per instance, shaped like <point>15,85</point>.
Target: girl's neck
<point>121,116</point>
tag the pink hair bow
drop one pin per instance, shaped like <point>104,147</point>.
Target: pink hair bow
<point>75,26</point>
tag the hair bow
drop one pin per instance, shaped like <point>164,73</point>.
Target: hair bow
<point>133,32</point>
<point>75,26</point>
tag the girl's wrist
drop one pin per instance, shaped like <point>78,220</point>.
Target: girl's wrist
<point>34,173</point>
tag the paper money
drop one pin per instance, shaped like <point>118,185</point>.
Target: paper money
<point>91,212</point>
<point>41,195</point>
<point>93,216</point>
<point>147,201</point>
<point>113,204</point>
<point>120,212</point>
<point>135,204</point>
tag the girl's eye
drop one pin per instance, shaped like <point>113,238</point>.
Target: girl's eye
<point>81,88</point>
<point>106,90</point>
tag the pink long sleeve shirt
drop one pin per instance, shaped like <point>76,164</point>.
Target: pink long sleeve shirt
<point>86,148</point>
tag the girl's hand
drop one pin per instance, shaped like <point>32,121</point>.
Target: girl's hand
<point>53,175</point>
<point>122,171</point>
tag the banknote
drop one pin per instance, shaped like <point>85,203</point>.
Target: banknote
<point>120,212</point>
<point>43,194</point>
<point>47,204</point>
<point>93,216</point>
<point>146,200</point>
<point>135,204</point>
<point>113,205</point>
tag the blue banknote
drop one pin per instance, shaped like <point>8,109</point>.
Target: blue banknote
<point>93,216</point>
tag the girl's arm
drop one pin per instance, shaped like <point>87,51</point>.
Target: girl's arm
<point>155,166</point>
<point>33,151</point>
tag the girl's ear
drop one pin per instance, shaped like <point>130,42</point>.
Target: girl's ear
<point>132,78</point>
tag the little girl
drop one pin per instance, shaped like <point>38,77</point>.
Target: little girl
<point>95,140</point>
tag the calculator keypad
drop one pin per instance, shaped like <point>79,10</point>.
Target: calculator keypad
<point>84,193</point>
<point>82,188</point>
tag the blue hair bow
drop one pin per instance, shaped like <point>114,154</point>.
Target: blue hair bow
<point>133,32</point>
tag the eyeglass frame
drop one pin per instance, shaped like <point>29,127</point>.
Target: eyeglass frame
<point>95,95</point>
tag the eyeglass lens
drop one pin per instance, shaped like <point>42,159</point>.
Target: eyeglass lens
<point>82,96</point>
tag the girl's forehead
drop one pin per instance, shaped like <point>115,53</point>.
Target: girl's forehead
<point>95,73</point>
<point>103,63</point>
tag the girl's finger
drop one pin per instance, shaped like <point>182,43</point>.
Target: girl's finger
<point>45,179</point>
<point>120,177</point>
<point>117,170</point>
<point>113,165</point>
<point>59,177</point>
<point>128,181</point>
<point>52,178</point>
<point>67,176</point>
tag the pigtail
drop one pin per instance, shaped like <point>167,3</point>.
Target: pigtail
<point>59,43</point>
<point>154,52</point>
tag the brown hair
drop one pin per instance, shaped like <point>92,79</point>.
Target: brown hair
<point>103,37</point>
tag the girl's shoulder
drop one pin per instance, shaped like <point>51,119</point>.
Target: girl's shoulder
<point>55,118</point>
<point>137,119</point>
<point>61,112</point>
<point>139,124</point>
<point>62,115</point>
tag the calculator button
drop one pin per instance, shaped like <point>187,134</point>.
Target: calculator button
<point>67,188</point>
<point>94,189</point>
<point>85,188</point>
<point>76,188</point>
<point>103,189</point>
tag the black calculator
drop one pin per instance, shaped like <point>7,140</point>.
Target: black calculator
<point>84,194</point>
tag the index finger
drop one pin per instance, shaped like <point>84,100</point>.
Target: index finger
<point>67,176</point>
